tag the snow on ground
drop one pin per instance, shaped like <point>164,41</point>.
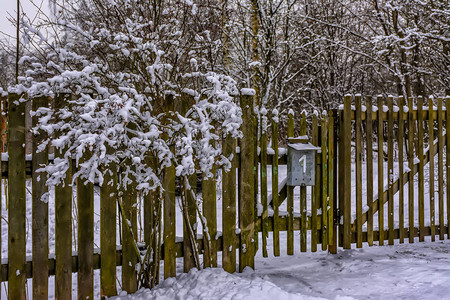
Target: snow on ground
<point>407,271</point>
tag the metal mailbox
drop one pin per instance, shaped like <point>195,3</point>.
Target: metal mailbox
<point>301,164</point>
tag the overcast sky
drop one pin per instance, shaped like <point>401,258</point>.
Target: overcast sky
<point>8,7</point>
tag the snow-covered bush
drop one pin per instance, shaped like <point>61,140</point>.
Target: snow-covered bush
<point>116,70</point>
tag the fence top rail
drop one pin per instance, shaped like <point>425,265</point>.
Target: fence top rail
<point>425,114</point>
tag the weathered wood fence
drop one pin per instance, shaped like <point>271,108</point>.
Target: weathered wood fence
<point>322,215</point>
<point>411,135</point>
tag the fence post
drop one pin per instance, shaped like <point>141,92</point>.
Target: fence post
<point>39,209</point>
<point>316,190</point>
<point>247,184</point>
<point>17,198</point>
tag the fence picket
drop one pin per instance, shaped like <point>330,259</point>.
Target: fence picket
<point>168,183</point>
<point>263,174</point>
<point>39,210</point>
<point>369,174</point>
<point>390,140</point>
<point>380,171</point>
<point>411,166</point>
<point>17,198</point>
<point>332,245</point>
<point>290,196</point>
<point>63,225</point>
<point>324,145</point>
<point>210,214</point>
<point>85,200</point>
<point>229,208</point>
<point>421,166</point>
<point>358,157</point>
<point>347,166</point>
<point>431,168</point>
<point>316,190</point>
<point>440,171</point>
<point>108,200</point>
<point>275,198</point>
<point>246,186</point>
<point>303,206</point>
<point>401,128</point>
<point>447,161</point>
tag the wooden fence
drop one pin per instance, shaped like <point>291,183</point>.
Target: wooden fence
<point>397,131</point>
<point>322,215</point>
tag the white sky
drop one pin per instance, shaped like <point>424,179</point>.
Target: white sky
<point>8,7</point>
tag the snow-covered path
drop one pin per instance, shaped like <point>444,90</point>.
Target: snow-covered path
<point>407,271</point>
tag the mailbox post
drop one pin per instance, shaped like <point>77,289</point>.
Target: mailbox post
<point>301,162</point>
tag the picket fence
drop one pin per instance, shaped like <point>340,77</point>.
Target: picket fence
<point>323,217</point>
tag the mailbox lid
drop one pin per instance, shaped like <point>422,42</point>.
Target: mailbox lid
<point>304,147</point>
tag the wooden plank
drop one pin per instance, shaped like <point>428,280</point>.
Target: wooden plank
<point>390,140</point>
<point>168,184</point>
<point>316,190</point>
<point>190,206</point>
<point>85,204</point>
<point>358,160</point>
<point>303,204</point>
<point>347,170</point>
<point>421,166</point>
<point>385,115</point>
<point>129,232</point>
<point>447,159</point>
<point>401,196</point>
<point>410,166</point>
<point>263,175</point>
<point>39,209</point>
<point>324,146</point>
<point>440,170</point>
<point>431,169</point>
<point>275,198</point>
<point>63,223</point>
<point>369,169</point>
<point>332,242</point>
<point>380,170</point>
<point>247,185</point>
<point>229,207</point>
<point>17,198</point>
<point>340,177</point>
<point>290,195</point>
<point>408,175</point>
<point>210,214</point>
<point>108,215</point>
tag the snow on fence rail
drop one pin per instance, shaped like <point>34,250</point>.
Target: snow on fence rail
<point>323,212</point>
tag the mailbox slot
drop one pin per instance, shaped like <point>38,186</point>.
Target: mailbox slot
<point>301,164</point>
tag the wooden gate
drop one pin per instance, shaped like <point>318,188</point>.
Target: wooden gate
<point>402,147</point>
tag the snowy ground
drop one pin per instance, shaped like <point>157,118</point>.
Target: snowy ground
<point>407,271</point>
